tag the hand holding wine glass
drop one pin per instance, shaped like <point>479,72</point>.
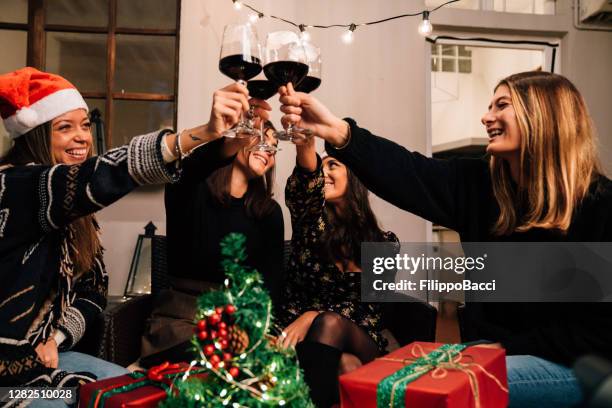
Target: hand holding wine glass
<point>228,104</point>
<point>285,63</point>
<point>240,60</point>
<point>305,111</point>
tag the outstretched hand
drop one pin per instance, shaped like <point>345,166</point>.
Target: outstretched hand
<point>307,112</point>
<point>229,103</point>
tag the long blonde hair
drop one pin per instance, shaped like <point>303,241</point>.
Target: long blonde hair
<point>35,147</point>
<point>558,155</point>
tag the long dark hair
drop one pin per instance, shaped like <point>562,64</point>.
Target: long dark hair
<point>258,197</point>
<point>35,147</point>
<point>351,225</point>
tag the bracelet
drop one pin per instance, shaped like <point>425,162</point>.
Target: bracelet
<point>167,154</point>
<point>178,146</point>
<point>348,138</point>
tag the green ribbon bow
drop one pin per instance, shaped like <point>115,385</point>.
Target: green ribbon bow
<point>391,391</point>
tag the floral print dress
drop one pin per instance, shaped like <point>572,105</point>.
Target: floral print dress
<point>312,281</point>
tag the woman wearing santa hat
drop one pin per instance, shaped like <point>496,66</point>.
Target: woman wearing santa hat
<point>51,268</point>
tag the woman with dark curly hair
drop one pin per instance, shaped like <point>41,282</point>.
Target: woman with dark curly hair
<point>322,310</point>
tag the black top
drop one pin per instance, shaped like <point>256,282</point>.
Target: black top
<point>196,223</point>
<point>458,194</point>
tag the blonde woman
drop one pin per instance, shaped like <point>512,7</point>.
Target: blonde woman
<point>543,182</point>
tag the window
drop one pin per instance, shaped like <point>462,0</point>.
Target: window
<point>505,6</point>
<point>462,80</point>
<point>14,40</point>
<point>451,58</point>
<point>121,54</point>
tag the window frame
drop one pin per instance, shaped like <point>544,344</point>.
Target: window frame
<point>36,47</point>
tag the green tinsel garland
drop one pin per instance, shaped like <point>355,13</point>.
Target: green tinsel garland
<point>269,375</point>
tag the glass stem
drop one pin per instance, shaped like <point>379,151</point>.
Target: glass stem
<point>242,121</point>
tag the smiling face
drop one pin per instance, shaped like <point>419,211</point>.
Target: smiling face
<point>71,137</point>
<point>336,179</point>
<point>502,126</point>
<point>259,162</point>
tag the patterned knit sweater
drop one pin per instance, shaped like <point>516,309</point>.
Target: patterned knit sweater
<point>39,292</point>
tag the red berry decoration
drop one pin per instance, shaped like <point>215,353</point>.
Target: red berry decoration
<point>219,310</point>
<point>202,335</point>
<point>227,356</point>
<point>214,319</point>
<point>215,359</point>
<point>223,343</point>
<point>223,325</point>
<point>234,372</point>
<point>222,333</point>
<point>201,325</point>
<point>230,309</point>
<point>209,349</point>
<point>213,334</point>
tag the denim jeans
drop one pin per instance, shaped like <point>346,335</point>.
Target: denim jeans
<point>538,383</point>
<point>74,362</point>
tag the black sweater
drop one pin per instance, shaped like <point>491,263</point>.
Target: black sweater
<point>196,223</point>
<point>458,194</point>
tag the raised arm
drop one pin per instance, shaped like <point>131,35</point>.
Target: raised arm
<point>436,190</point>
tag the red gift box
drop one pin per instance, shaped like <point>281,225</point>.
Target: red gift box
<point>132,390</point>
<point>474,377</point>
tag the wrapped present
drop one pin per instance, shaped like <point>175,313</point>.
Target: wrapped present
<point>429,375</point>
<point>138,389</point>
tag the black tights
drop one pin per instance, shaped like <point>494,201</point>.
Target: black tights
<point>329,336</point>
<point>341,333</point>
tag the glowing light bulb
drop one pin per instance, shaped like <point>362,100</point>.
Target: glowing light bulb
<point>425,28</point>
<point>253,18</point>
<point>347,37</point>
<point>305,35</point>
<point>237,4</point>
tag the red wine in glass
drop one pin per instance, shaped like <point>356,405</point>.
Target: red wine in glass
<point>283,72</point>
<point>308,84</point>
<point>261,88</point>
<point>240,67</point>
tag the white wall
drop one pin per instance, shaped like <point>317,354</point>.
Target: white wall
<point>381,80</point>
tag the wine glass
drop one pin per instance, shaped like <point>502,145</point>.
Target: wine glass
<point>240,60</point>
<point>286,62</point>
<point>262,88</point>
<point>313,79</point>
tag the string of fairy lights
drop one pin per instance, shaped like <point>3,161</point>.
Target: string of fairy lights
<point>425,27</point>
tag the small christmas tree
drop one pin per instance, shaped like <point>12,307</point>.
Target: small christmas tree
<point>245,367</point>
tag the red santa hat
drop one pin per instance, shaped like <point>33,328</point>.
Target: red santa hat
<point>29,98</point>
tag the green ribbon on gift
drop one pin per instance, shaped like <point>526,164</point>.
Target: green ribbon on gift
<point>391,391</point>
